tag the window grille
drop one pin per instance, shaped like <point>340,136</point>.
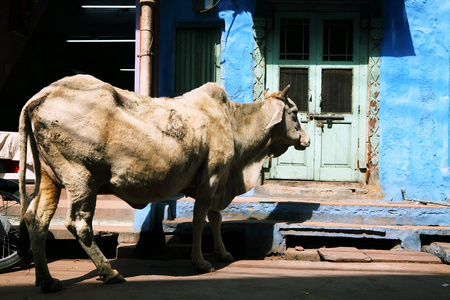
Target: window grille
<point>338,40</point>
<point>294,39</point>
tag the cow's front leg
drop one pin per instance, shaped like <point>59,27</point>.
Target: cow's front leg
<point>215,219</point>
<point>198,224</point>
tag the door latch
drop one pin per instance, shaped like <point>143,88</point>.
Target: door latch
<point>328,118</point>
<point>320,125</point>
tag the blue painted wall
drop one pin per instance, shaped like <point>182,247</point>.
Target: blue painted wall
<point>236,20</point>
<point>414,100</point>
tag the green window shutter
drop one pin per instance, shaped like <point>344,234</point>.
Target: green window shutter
<point>197,58</point>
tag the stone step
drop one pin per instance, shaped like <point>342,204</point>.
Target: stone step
<point>276,218</point>
<point>319,191</point>
<point>269,236</point>
<point>286,201</point>
<point>110,211</point>
<point>125,234</point>
<point>374,212</point>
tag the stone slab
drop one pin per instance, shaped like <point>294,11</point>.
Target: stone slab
<point>439,249</point>
<point>306,255</point>
<point>386,256</point>
<point>343,254</point>
<point>126,250</point>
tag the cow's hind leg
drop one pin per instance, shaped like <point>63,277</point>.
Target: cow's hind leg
<point>37,219</point>
<point>79,222</point>
<point>215,219</point>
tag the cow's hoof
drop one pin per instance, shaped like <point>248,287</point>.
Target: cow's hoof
<point>227,257</point>
<point>114,278</point>
<point>204,267</point>
<point>51,286</point>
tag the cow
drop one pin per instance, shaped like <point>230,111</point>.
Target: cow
<point>86,135</point>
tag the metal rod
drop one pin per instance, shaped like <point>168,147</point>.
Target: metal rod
<point>422,201</point>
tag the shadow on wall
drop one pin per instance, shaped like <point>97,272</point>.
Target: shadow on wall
<point>397,40</point>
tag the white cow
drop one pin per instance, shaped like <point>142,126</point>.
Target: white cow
<point>86,134</point>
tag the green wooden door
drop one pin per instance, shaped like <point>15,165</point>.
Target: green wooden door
<point>323,57</point>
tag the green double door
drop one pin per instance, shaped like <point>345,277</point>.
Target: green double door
<point>323,56</point>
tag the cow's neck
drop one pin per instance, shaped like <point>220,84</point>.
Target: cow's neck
<point>250,121</point>
<point>252,141</point>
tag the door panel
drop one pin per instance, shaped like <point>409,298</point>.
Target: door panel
<point>336,160</point>
<point>327,84</point>
<point>336,146</point>
<point>337,86</point>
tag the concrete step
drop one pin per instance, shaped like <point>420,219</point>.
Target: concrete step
<point>125,234</point>
<point>285,201</point>
<point>272,217</point>
<point>262,237</point>
<point>373,212</point>
<point>110,211</point>
<point>318,191</point>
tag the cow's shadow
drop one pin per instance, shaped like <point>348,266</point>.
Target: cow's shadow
<point>129,268</point>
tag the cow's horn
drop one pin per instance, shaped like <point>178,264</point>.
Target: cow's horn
<point>284,92</point>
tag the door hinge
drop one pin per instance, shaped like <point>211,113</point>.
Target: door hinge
<point>359,109</point>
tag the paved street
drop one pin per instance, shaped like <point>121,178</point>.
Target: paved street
<point>264,279</point>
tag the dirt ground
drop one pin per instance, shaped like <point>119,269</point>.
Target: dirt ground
<point>245,279</point>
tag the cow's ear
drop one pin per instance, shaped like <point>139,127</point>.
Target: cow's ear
<point>277,117</point>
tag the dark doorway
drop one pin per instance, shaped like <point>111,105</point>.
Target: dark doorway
<point>73,37</point>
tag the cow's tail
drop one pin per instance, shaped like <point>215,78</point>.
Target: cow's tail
<point>25,134</point>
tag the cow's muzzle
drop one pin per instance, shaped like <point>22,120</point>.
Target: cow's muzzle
<point>303,142</point>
